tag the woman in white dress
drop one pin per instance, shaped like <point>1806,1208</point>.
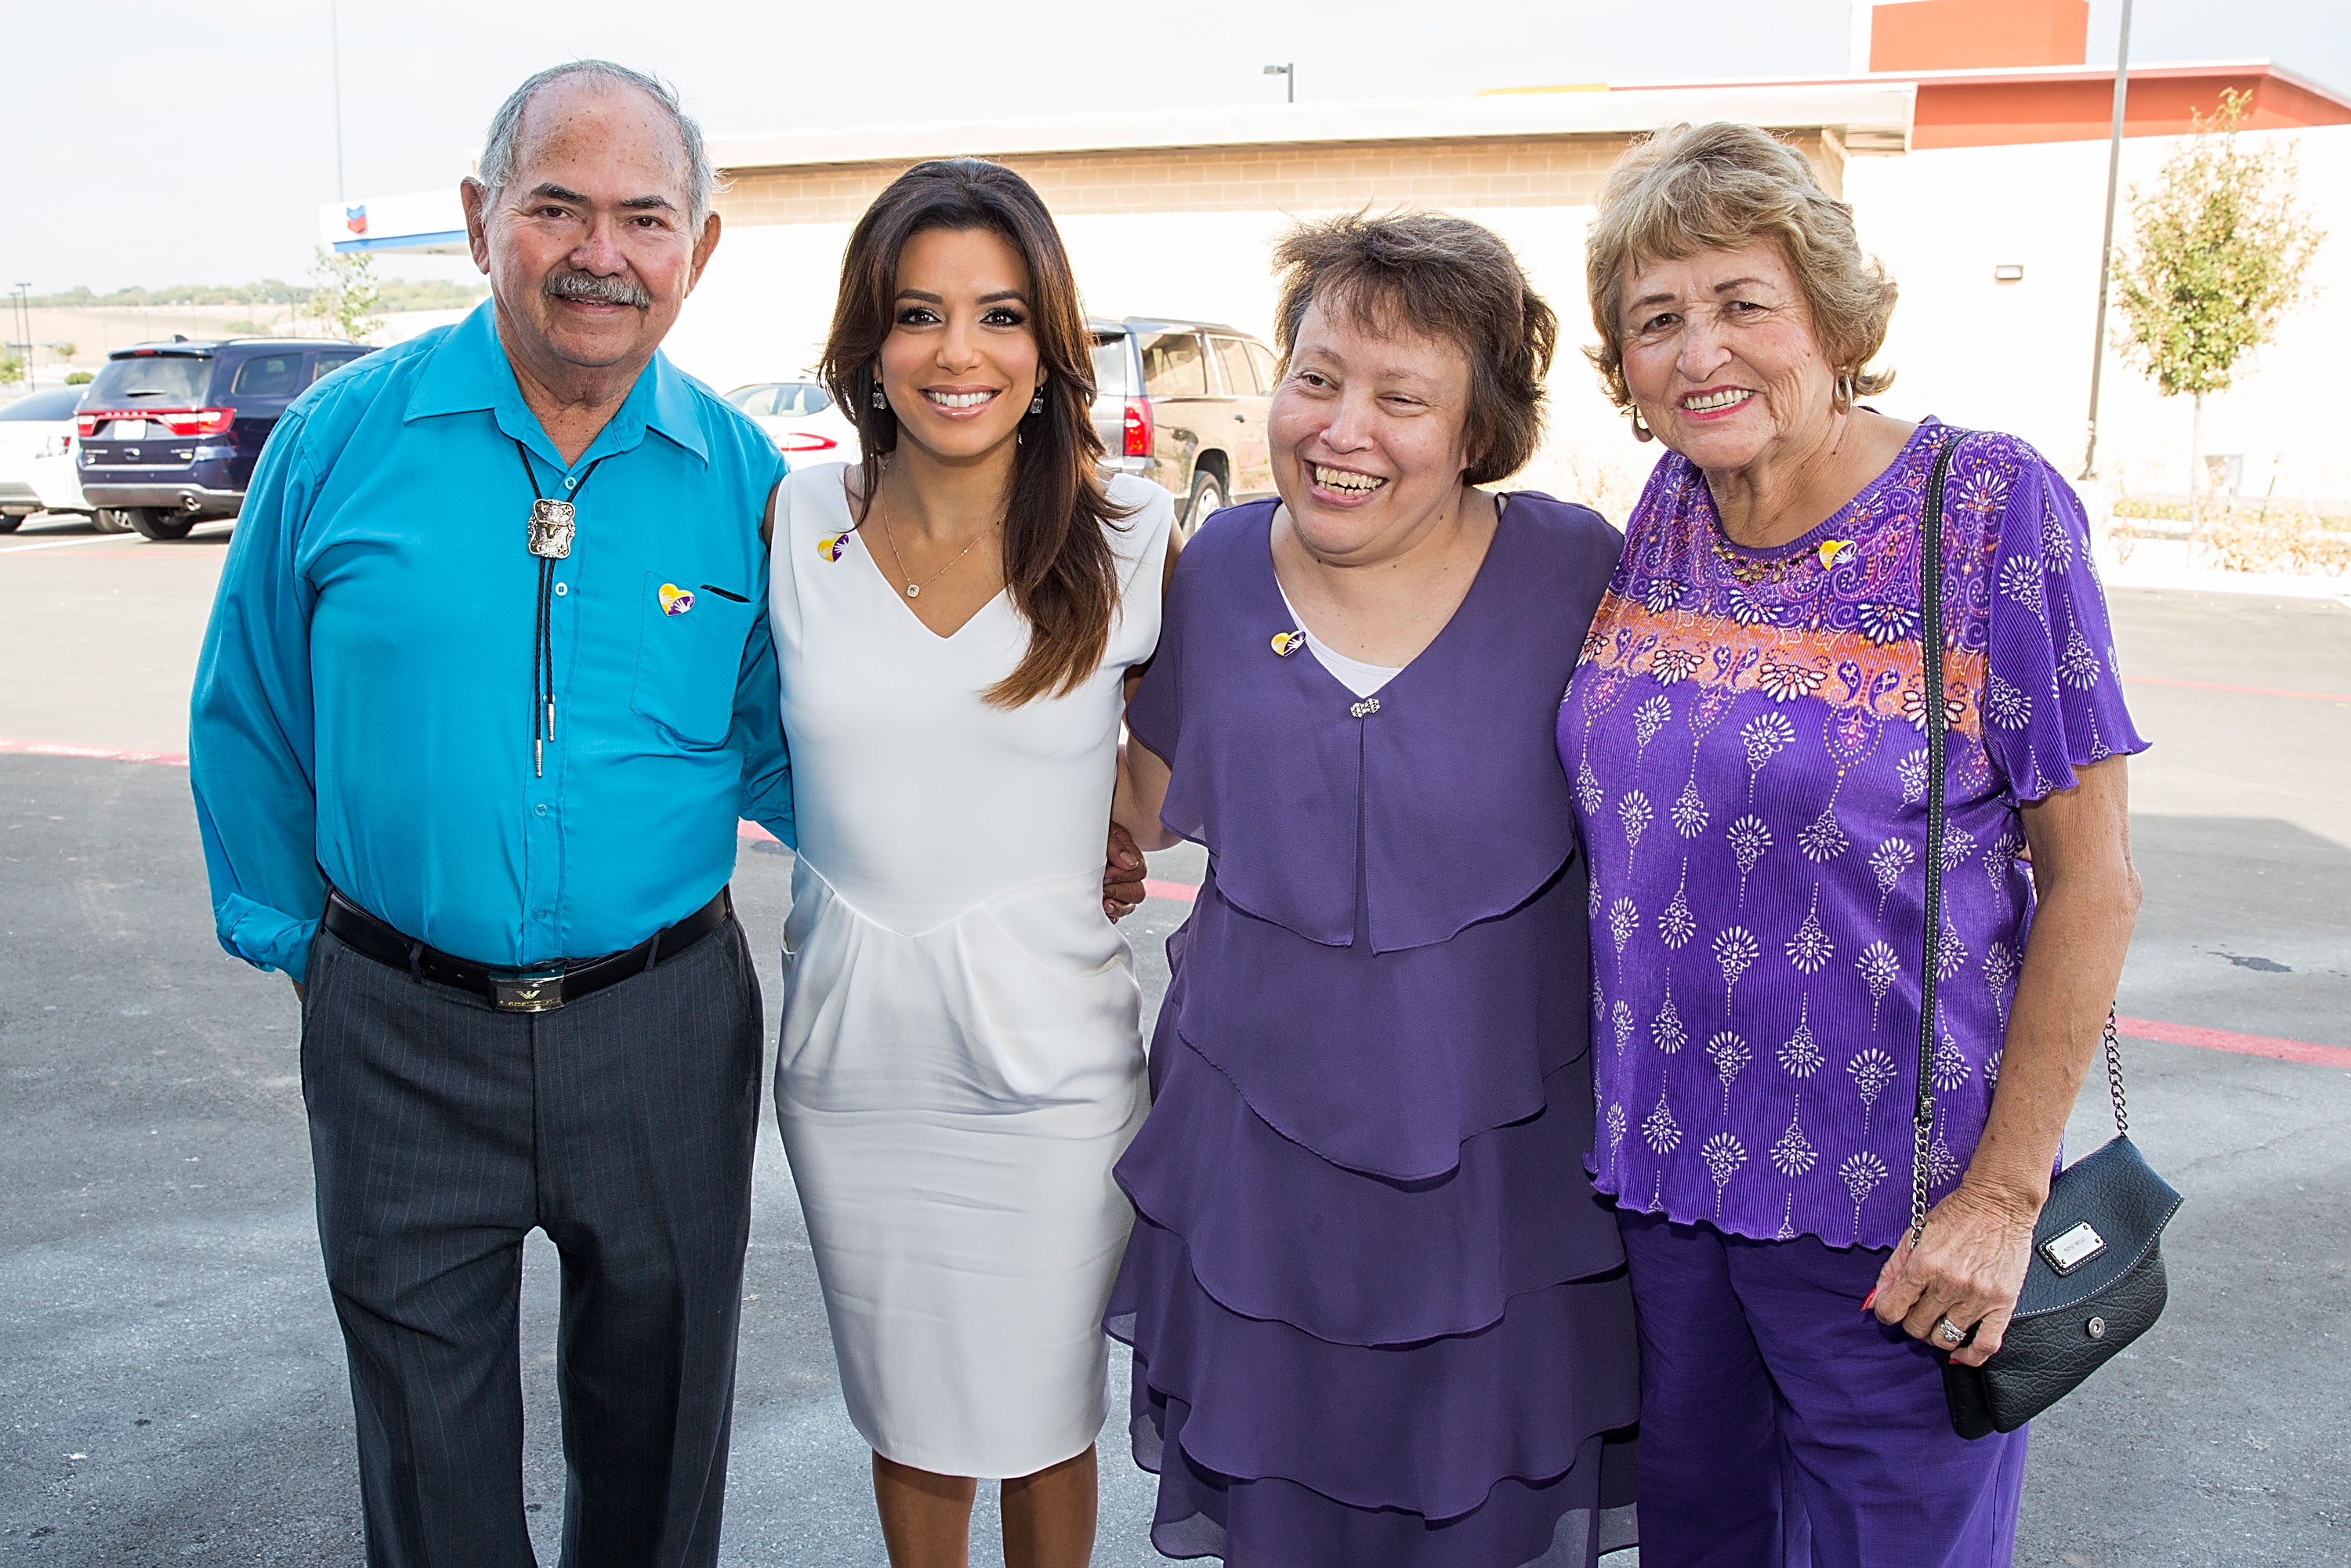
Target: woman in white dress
<point>961,1059</point>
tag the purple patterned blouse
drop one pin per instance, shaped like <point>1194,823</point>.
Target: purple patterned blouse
<point>1749,757</point>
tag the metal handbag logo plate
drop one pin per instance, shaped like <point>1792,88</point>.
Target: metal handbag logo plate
<point>526,993</point>
<point>2069,1249</point>
<point>551,529</point>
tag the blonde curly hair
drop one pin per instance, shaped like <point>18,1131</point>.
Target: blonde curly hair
<point>1719,187</point>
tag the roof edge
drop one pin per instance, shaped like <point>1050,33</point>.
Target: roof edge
<point>1880,108</point>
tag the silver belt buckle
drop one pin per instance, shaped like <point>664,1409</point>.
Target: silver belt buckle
<point>527,993</point>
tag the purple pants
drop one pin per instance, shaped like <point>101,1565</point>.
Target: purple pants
<point>1783,1427</point>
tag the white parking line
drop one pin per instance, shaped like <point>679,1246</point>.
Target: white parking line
<point>79,539</point>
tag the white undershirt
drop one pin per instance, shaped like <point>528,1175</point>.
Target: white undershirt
<point>1357,677</point>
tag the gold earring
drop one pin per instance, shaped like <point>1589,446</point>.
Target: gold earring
<point>1641,432</point>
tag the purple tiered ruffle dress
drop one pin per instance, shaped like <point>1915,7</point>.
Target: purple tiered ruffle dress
<point>1379,1317</point>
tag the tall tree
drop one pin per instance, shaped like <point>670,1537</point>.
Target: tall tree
<point>2219,251</point>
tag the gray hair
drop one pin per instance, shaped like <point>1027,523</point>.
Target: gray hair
<point>1720,187</point>
<point>497,167</point>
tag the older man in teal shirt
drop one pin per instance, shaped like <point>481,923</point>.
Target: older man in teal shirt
<point>487,686</point>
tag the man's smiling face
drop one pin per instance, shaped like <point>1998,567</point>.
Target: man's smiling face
<point>591,247</point>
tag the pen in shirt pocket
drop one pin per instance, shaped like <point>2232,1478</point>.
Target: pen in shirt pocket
<point>724,593</point>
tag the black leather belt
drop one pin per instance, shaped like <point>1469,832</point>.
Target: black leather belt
<point>541,988</point>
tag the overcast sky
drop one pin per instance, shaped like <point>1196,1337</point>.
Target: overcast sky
<point>195,144</point>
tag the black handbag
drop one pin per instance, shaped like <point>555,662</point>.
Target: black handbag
<point>2096,1280</point>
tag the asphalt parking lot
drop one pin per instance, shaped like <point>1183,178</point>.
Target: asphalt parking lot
<point>175,1385</point>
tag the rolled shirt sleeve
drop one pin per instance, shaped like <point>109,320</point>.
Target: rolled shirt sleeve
<point>250,731</point>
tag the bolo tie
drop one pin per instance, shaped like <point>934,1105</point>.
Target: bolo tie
<point>552,524</point>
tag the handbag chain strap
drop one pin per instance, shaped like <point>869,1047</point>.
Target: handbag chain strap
<point>1930,599</point>
<point>1930,636</point>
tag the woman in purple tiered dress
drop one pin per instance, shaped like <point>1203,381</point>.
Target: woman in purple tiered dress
<point>1746,740</point>
<point>1379,1318</point>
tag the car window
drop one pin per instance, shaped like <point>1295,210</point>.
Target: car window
<point>755,400</point>
<point>331,360</point>
<point>1110,366</point>
<point>814,399</point>
<point>152,381</point>
<point>268,375</point>
<point>801,398</point>
<point>56,404</point>
<point>1172,367</point>
<point>1232,360</point>
<point>1269,373</point>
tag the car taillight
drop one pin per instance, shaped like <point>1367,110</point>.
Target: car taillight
<point>85,424</point>
<point>197,421</point>
<point>1138,428</point>
<point>805,441</point>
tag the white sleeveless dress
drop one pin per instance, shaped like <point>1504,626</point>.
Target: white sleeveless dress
<point>961,1059</point>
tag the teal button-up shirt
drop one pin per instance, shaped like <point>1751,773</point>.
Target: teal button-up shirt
<point>363,709</point>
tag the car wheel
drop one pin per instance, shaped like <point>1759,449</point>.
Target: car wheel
<point>10,522</point>
<point>1207,499</point>
<point>155,523</point>
<point>110,521</point>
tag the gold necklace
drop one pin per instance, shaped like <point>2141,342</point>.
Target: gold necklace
<point>913,588</point>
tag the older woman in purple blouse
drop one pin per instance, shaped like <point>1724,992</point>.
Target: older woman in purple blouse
<point>1745,735</point>
<point>1379,1319</point>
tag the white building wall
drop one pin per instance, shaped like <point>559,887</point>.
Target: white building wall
<point>2006,355</point>
<point>2017,356</point>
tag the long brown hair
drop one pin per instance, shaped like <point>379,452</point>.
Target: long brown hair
<point>1057,564</point>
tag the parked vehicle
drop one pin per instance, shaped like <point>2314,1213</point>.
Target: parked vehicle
<point>37,464</point>
<point>1183,403</point>
<point>802,419</point>
<point>170,431</point>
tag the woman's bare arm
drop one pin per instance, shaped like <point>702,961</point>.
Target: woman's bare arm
<point>1122,880</point>
<point>1142,774</point>
<point>1971,1262</point>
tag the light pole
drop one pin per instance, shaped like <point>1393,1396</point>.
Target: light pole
<point>335,55</point>
<point>1290,74</point>
<point>2106,247</point>
<point>24,303</point>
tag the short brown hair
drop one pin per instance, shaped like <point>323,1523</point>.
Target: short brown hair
<point>1719,187</point>
<point>1443,278</point>
<point>1058,567</point>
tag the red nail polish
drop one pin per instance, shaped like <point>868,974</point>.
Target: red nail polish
<point>1870,1300</point>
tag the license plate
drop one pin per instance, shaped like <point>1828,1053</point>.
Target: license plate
<point>127,430</point>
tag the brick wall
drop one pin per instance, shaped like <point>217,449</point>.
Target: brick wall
<point>1524,172</point>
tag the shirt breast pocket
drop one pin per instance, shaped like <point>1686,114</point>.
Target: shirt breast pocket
<point>689,656</point>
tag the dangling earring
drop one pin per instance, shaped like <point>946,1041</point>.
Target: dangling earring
<point>1037,403</point>
<point>880,402</point>
<point>1844,393</point>
<point>1641,432</point>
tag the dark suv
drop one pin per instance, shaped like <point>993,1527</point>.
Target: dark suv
<point>1184,404</point>
<point>170,431</point>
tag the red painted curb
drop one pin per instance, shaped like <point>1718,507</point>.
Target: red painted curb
<point>2241,1044</point>
<point>93,753</point>
<point>2223,686</point>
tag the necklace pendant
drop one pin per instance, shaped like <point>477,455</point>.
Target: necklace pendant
<point>914,591</point>
<point>551,527</point>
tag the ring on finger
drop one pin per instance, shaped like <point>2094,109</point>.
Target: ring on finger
<point>1950,1333</point>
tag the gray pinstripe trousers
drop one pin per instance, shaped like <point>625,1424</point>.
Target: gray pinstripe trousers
<point>441,1133</point>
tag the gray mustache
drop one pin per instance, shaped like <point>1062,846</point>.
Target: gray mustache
<point>592,290</point>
